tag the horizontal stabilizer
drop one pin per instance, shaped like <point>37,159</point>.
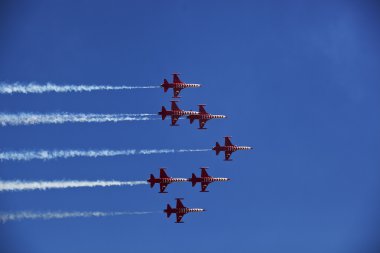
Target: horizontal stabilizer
<point>152,180</point>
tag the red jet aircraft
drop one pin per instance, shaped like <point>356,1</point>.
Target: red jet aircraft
<point>205,179</point>
<point>203,117</point>
<point>177,85</point>
<point>180,210</point>
<point>175,113</point>
<point>228,148</point>
<point>164,180</point>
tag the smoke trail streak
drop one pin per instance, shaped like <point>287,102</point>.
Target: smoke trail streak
<point>53,154</point>
<point>60,118</point>
<point>18,216</point>
<point>45,185</point>
<point>6,88</point>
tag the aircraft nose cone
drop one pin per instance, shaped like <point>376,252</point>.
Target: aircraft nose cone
<point>228,179</point>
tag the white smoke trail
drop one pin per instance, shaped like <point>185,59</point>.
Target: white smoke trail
<point>5,217</point>
<point>60,118</point>
<point>6,88</point>
<point>44,185</point>
<point>53,154</point>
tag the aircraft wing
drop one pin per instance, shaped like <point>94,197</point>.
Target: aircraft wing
<point>179,204</point>
<point>227,141</point>
<point>204,186</point>
<point>202,109</point>
<point>163,173</point>
<point>179,217</point>
<point>176,91</point>
<point>174,106</point>
<point>174,119</point>
<point>176,79</point>
<point>163,187</point>
<point>202,123</point>
<point>227,155</point>
<point>204,173</point>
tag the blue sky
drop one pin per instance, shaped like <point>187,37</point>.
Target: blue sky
<point>299,82</point>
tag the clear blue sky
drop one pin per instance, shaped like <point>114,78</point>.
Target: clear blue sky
<point>299,82</point>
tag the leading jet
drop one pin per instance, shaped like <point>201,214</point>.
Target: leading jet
<point>228,148</point>
<point>203,116</point>
<point>180,210</point>
<point>164,180</point>
<point>177,85</point>
<point>205,179</point>
<point>175,113</point>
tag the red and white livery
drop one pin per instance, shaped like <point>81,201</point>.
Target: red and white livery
<point>164,180</point>
<point>180,210</point>
<point>177,85</point>
<point>205,179</point>
<point>228,148</point>
<point>203,116</point>
<point>175,113</point>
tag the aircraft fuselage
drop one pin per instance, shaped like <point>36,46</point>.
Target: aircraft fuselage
<point>232,148</point>
<point>209,179</point>
<point>181,113</point>
<point>207,116</point>
<point>180,85</point>
<point>185,210</point>
<point>167,180</point>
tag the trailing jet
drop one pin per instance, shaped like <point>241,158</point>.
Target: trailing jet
<point>164,180</point>
<point>205,179</point>
<point>177,85</point>
<point>180,210</point>
<point>203,116</point>
<point>175,113</point>
<point>228,148</point>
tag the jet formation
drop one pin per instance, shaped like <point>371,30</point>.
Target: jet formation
<point>164,180</point>
<point>175,113</point>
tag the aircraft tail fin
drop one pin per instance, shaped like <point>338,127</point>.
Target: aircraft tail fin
<point>152,180</point>
<point>165,85</point>
<point>193,180</point>
<point>217,148</point>
<point>163,112</point>
<point>168,210</point>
